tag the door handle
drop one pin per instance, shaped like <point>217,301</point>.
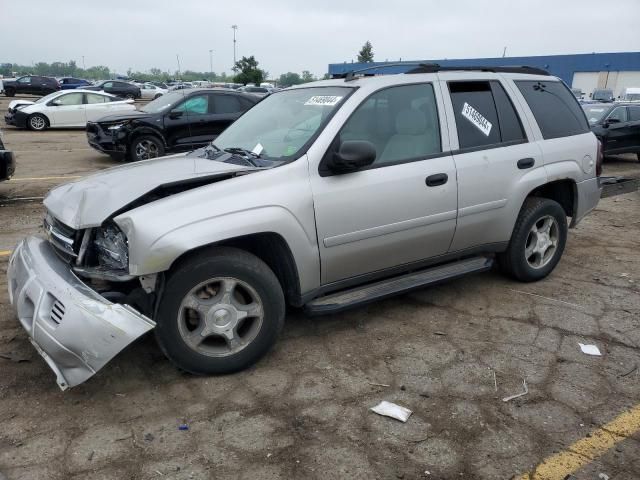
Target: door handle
<point>525,163</point>
<point>437,179</point>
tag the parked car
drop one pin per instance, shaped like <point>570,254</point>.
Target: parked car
<point>258,91</point>
<point>181,86</point>
<point>67,108</point>
<point>160,84</point>
<point>603,95</point>
<point>617,126</point>
<point>7,161</point>
<point>30,84</point>
<point>150,91</point>
<point>70,83</point>
<point>178,121</point>
<point>326,196</point>
<point>577,93</point>
<point>119,88</point>
<point>631,94</point>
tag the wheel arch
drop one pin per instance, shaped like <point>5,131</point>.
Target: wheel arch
<point>564,191</point>
<point>139,131</point>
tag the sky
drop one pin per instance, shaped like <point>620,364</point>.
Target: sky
<point>296,35</point>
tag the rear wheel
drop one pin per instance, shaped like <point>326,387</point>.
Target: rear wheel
<point>9,92</point>
<point>158,95</point>
<point>537,242</point>
<point>130,96</point>
<point>37,122</point>
<point>145,147</point>
<point>221,311</point>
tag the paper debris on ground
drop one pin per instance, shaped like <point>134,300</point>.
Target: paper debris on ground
<point>590,349</point>
<point>518,395</point>
<point>392,410</point>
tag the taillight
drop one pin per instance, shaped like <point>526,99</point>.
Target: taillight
<point>599,159</point>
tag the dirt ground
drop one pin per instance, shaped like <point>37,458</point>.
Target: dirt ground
<point>303,412</point>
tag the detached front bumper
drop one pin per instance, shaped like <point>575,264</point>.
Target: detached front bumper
<point>76,330</point>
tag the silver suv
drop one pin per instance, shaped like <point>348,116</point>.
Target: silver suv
<point>323,196</point>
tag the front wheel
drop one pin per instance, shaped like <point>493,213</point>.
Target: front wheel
<point>37,122</point>
<point>537,241</point>
<point>9,92</point>
<point>130,96</point>
<point>145,147</point>
<point>221,311</point>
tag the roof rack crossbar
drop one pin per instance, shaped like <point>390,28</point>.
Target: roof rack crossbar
<point>435,68</point>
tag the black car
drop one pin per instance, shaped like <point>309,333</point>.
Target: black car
<point>31,84</point>
<point>7,162</point>
<point>116,87</point>
<point>178,121</point>
<point>71,83</point>
<point>617,126</point>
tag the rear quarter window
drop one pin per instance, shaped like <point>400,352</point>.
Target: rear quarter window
<point>554,107</point>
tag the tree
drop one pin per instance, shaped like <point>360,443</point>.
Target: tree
<point>289,78</point>
<point>248,71</point>
<point>366,53</point>
<point>307,76</point>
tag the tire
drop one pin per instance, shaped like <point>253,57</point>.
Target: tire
<point>150,144</point>
<point>9,92</point>
<point>529,256</point>
<point>130,96</point>
<point>37,122</point>
<point>213,353</point>
<point>157,96</point>
<point>638,156</point>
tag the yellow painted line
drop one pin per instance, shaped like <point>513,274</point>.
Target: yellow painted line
<point>5,253</point>
<point>64,177</point>
<point>583,452</point>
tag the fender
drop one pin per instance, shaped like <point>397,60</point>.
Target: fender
<point>146,130</point>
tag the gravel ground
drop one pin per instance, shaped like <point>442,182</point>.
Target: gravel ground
<point>303,412</point>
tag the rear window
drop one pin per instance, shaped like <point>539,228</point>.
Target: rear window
<point>554,107</point>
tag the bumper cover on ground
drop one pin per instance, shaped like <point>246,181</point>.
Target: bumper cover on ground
<point>76,330</point>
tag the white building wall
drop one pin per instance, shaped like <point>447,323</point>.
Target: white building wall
<point>616,81</point>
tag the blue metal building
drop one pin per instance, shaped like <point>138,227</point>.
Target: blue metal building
<point>586,71</point>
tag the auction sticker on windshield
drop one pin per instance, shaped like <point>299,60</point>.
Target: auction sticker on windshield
<point>476,118</point>
<point>324,100</point>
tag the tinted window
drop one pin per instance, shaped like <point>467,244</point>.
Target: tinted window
<point>24,80</point>
<point>634,114</point>
<point>619,113</point>
<point>227,104</point>
<point>475,113</point>
<point>196,105</point>
<point>555,108</point>
<point>107,85</point>
<point>401,123</point>
<point>95,98</point>
<point>510,125</point>
<point>69,99</point>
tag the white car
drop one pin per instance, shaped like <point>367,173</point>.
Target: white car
<point>66,108</point>
<point>149,91</point>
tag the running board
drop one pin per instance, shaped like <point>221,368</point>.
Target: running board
<point>386,288</point>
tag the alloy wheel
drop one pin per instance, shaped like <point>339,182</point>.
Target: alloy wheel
<point>542,242</point>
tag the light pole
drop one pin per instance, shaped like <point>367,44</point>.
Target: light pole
<point>83,67</point>
<point>235,28</point>
<point>211,64</point>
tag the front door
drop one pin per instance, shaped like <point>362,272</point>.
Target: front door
<point>187,123</point>
<point>402,208</point>
<point>68,110</point>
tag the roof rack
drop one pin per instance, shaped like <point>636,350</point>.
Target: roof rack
<point>435,67</point>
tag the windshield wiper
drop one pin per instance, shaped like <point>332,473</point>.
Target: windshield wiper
<point>248,155</point>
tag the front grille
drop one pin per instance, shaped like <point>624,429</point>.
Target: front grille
<point>62,237</point>
<point>57,312</point>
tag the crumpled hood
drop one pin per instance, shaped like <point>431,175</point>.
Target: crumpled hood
<point>90,201</point>
<point>19,103</point>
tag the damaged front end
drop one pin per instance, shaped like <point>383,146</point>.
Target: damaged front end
<point>75,329</point>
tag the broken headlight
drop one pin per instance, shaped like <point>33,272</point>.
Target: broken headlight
<point>111,247</point>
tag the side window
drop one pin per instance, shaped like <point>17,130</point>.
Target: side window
<point>556,110</point>
<point>510,125</point>
<point>24,80</point>
<point>69,99</point>
<point>226,104</point>
<point>108,85</point>
<point>634,114</point>
<point>96,98</point>
<point>401,122</point>
<point>476,114</point>
<point>246,104</point>
<point>196,105</point>
<point>619,113</point>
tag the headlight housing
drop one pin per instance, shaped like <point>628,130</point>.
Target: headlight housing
<point>116,127</point>
<point>112,248</point>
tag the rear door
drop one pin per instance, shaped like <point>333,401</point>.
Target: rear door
<point>634,128</point>
<point>492,156</point>
<point>98,106</point>
<point>68,110</point>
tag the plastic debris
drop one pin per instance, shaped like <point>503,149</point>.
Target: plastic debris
<point>388,409</point>
<point>518,395</point>
<point>590,349</point>
<point>379,384</point>
<point>183,427</point>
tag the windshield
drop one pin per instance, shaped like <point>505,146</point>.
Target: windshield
<point>46,98</point>
<point>162,103</point>
<point>282,124</point>
<point>603,95</point>
<point>594,113</point>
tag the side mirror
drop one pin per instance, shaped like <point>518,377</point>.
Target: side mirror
<point>175,114</point>
<point>612,120</point>
<point>352,156</point>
